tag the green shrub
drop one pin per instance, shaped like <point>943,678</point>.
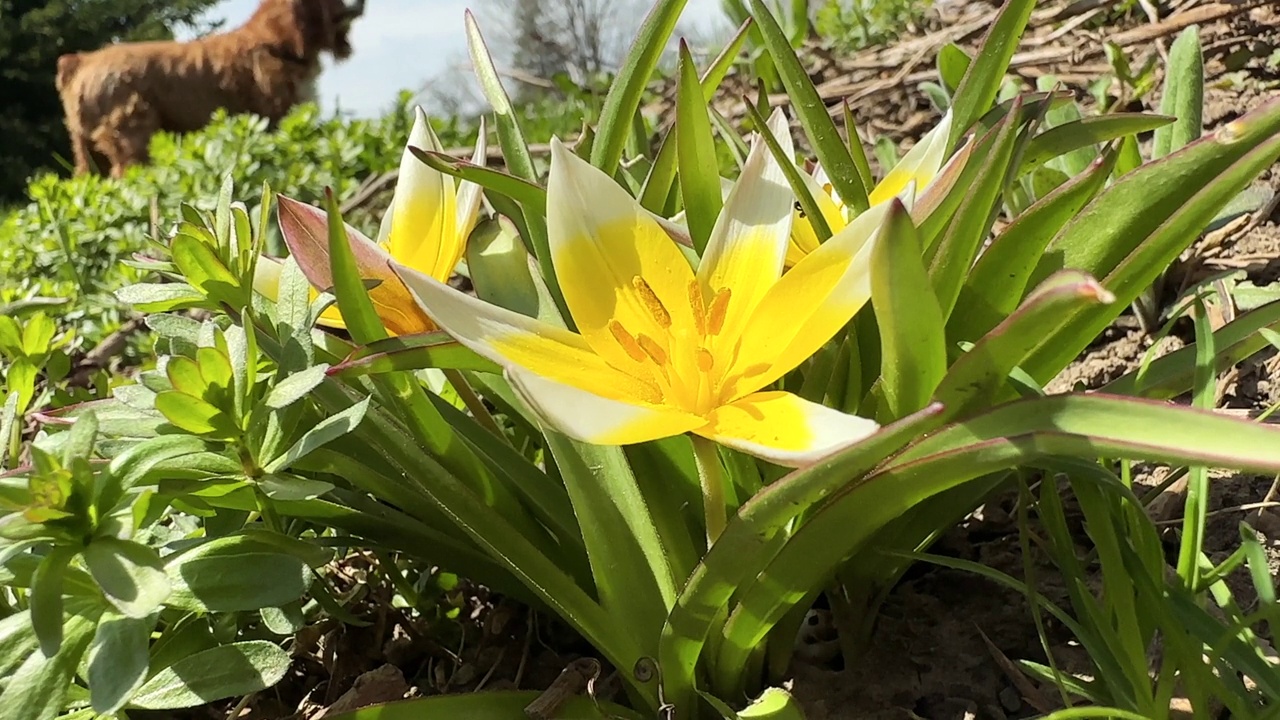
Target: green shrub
<point>75,236</point>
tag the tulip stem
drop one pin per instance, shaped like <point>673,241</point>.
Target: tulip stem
<point>711,476</point>
<point>473,402</point>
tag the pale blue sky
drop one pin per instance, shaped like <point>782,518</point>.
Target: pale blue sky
<point>402,44</point>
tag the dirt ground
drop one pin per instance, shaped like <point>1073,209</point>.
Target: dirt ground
<point>937,649</point>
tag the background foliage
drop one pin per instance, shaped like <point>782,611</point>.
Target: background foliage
<point>33,33</point>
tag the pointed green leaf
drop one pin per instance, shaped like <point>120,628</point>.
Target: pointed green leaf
<point>696,153</point>
<point>205,271</point>
<point>1086,132</point>
<point>46,600</point>
<point>295,386</point>
<point>912,338</point>
<point>229,579</point>
<point>160,297</point>
<point>953,63</point>
<point>130,575</point>
<point>525,192</point>
<point>832,152</point>
<point>331,428</point>
<point>227,671</point>
<point>628,86</point>
<point>977,91</point>
<point>417,352</point>
<point>972,381</point>
<point>997,281</point>
<point>118,661</point>
<point>38,689</point>
<point>1183,96</point>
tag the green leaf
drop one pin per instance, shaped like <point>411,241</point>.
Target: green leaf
<point>973,380</point>
<point>331,428</point>
<point>223,672</point>
<point>629,84</point>
<point>130,575</point>
<point>353,300</point>
<point>662,173</point>
<point>525,192</point>
<point>37,334</point>
<point>1183,95</point>
<point>38,689</point>
<point>977,91</point>
<point>1016,434</point>
<point>515,151</point>
<point>491,705</point>
<point>228,578</point>
<point>832,152</point>
<point>786,163</point>
<point>500,267</point>
<point>997,281</point>
<point>184,375</point>
<point>632,574</point>
<point>118,661</point>
<point>17,641</point>
<point>160,297</point>
<point>416,352</point>
<point>46,600</point>
<point>1171,375</point>
<point>696,153</point>
<point>950,259</point>
<point>194,415</point>
<point>953,63</point>
<point>1087,132</point>
<point>215,367</point>
<point>295,386</point>
<point>204,270</point>
<point>1135,228</point>
<point>285,620</point>
<point>293,317</point>
<point>753,536</point>
<point>293,487</point>
<point>912,337</point>
<point>79,443</point>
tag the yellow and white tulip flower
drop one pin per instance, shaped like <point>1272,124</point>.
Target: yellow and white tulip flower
<point>663,349</point>
<point>920,180</point>
<point>426,228</point>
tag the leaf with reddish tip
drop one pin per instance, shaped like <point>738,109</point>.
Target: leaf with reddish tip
<point>997,281</point>
<point>1131,232</point>
<point>976,376</point>
<point>306,233</point>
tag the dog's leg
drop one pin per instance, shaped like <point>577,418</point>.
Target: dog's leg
<point>125,137</point>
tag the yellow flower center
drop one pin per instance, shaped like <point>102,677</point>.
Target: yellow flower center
<point>679,364</point>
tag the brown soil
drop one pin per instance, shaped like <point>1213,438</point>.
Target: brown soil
<point>941,647</point>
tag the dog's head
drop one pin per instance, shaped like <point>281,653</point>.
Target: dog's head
<point>326,25</point>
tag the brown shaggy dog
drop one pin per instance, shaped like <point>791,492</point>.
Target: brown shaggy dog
<point>116,98</point>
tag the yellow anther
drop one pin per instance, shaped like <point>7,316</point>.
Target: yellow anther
<point>652,349</point>
<point>699,307</point>
<point>651,302</point>
<point>706,360</point>
<point>627,342</point>
<point>719,307</point>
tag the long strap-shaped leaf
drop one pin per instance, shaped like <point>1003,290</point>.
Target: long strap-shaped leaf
<point>749,540</point>
<point>1018,433</point>
<point>1128,235</point>
<point>982,81</point>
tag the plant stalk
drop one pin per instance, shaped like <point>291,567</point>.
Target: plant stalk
<point>711,477</point>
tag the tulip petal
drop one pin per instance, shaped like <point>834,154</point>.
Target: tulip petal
<point>266,282</point>
<point>306,233</point>
<point>921,163</point>
<point>748,244</point>
<point>803,239</point>
<point>424,219</point>
<point>602,242</point>
<point>784,428</point>
<point>808,305</point>
<point>932,195</point>
<point>511,339</point>
<point>469,193</point>
<point>588,417</point>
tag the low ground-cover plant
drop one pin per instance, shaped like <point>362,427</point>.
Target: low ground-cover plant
<point>669,415</point>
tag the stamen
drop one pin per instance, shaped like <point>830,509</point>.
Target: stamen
<point>706,360</point>
<point>719,307</point>
<point>627,342</point>
<point>652,349</point>
<point>651,302</point>
<point>699,307</point>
